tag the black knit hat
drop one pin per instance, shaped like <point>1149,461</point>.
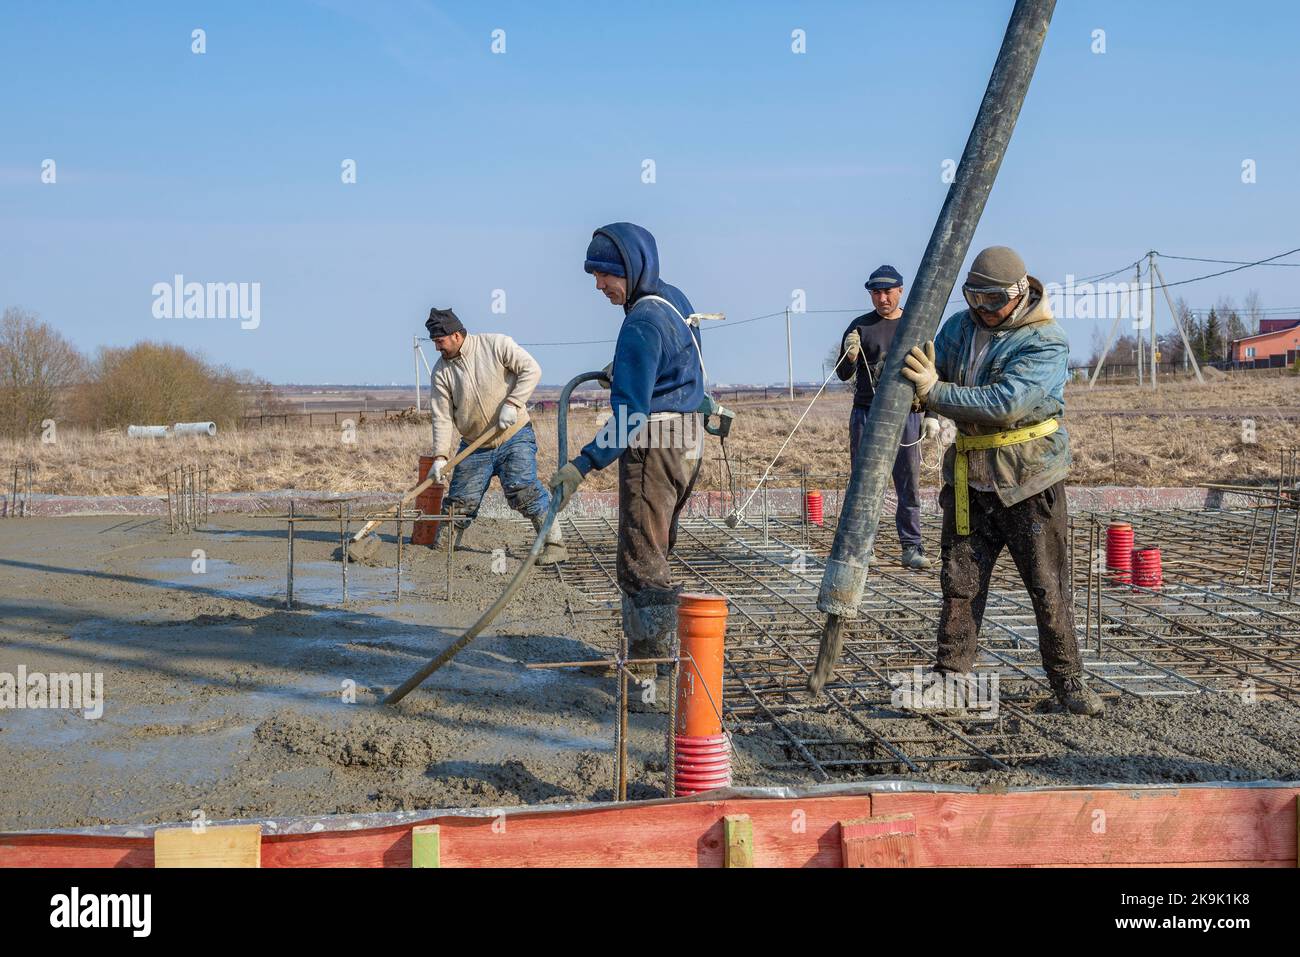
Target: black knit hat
<point>442,322</point>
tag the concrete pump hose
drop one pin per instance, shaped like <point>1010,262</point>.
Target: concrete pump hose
<point>525,569</point>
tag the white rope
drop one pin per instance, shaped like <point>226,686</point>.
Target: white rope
<point>745,505</point>
<point>902,445</point>
<point>766,471</point>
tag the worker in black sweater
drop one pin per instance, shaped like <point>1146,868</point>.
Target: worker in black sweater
<point>863,349</point>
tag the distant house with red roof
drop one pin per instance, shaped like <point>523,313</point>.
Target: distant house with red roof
<point>1277,339</point>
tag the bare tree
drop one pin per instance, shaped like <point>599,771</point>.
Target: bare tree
<point>1098,344</point>
<point>1233,326</point>
<point>1254,310</point>
<point>37,367</point>
<point>156,383</point>
<point>1178,351</point>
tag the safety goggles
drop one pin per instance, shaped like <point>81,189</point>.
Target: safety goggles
<point>993,298</point>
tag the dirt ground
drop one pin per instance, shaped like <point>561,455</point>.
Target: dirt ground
<point>217,699</point>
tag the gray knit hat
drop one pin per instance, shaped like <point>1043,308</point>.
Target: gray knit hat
<point>996,266</point>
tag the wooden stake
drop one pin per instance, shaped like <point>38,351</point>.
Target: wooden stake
<point>238,845</point>
<point>885,841</point>
<point>426,846</point>
<point>739,832</point>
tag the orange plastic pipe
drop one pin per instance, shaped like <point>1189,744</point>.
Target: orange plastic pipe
<point>701,628</point>
<point>430,503</point>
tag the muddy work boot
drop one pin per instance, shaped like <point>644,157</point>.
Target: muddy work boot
<point>651,631</point>
<point>934,691</point>
<point>553,551</point>
<point>1071,695</point>
<point>914,557</point>
<point>457,538</point>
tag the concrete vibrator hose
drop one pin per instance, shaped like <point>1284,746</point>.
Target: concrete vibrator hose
<point>525,570</point>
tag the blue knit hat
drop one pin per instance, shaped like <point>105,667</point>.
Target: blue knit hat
<point>603,256</point>
<point>886,277</point>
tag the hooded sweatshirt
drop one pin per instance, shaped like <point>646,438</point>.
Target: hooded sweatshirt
<point>658,365</point>
<point>1005,377</point>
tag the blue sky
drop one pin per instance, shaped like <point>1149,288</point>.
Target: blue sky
<point>477,171</point>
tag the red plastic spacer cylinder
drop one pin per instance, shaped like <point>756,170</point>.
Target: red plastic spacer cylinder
<point>813,507</point>
<point>1147,570</point>
<point>701,764</point>
<point>1119,551</point>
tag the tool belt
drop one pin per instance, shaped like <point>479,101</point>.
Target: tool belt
<point>975,443</point>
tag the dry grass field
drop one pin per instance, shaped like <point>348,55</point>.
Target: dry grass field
<point>1182,434</point>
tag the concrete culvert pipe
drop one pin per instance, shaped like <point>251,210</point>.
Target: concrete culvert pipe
<point>147,431</point>
<point>194,428</point>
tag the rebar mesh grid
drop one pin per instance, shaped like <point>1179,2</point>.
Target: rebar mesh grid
<point>1215,625</point>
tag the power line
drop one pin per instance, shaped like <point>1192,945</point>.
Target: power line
<point>1228,262</point>
<point>1237,266</point>
<point>1224,272</point>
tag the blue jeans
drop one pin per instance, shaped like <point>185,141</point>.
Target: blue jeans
<point>907,473</point>
<point>514,463</point>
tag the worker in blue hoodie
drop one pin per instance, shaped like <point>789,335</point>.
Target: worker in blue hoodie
<point>656,387</point>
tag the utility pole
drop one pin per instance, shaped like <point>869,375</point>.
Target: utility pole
<point>1151,310</point>
<point>1137,298</point>
<point>1110,341</point>
<point>1178,324</point>
<point>789,355</point>
<point>415,354</point>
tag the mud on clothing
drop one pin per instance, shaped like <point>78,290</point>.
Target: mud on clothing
<point>654,485</point>
<point>1035,530</point>
<point>514,463</point>
<point>1007,377</point>
<point>658,370</point>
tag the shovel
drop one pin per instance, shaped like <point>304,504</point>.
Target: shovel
<point>363,545</point>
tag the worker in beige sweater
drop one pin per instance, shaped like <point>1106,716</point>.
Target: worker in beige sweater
<point>482,382</point>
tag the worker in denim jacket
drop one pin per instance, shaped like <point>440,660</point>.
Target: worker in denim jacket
<point>998,370</point>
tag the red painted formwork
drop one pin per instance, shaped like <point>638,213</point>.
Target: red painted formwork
<point>1203,826</point>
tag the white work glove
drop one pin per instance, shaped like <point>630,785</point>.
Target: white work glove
<point>919,369</point>
<point>607,374</point>
<point>439,464</point>
<point>564,483</point>
<point>929,428</point>
<point>507,416</point>
<point>852,346</point>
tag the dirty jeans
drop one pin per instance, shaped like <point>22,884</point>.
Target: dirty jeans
<point>1036,532</point>
<point>907,473</point>
<point>653,487</point>
<point>514,463</point>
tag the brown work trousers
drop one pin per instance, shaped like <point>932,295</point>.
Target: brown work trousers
<point>653,487</point>
<point>1036,531</point>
